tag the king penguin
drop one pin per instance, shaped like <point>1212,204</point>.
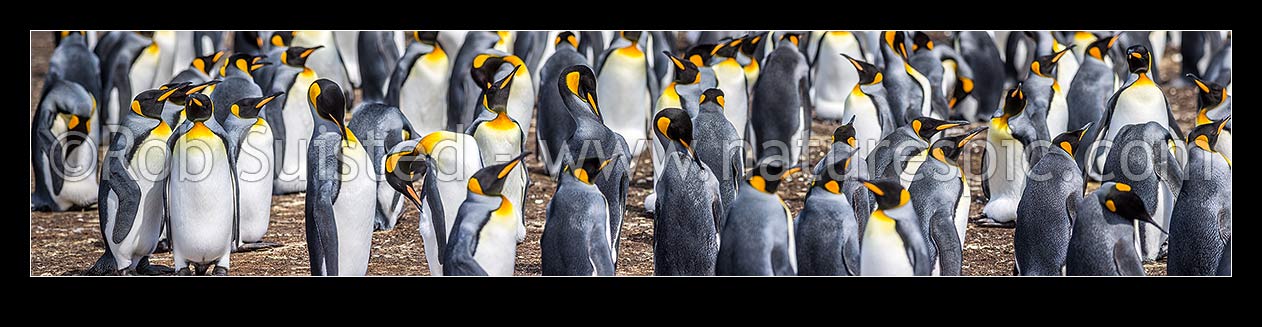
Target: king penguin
<point>893,244</point>
<point>978,49</point>
<point>451,159</point>
<point>907,87</point>
<point>689,210</point>
<point>827,234</point>
<point>627,83</point>
<point>867,108</point>
<point>834,76</point>
<point>928,71</point>
<point>328,63</point>
<point>418,85</point>
<point>941,197</point>
<point>251,137</point>
<point>401,165</point>
<point>1011,130</point>
<point>1142,159</point>
<point>501,138</point>
<point>491,65</point>
<point>591,137</point>
<point>341,192</point>
<point>845,147</point>
<point>750,58</point>
<point>1044,222</point>
<point>1092,86</point>
<point>756,235</point>
<point>292,119</point>
<point>1200,226</point>
<point>575,239</point>
<point>63,153</point>
<point>1047,44</point>
<point>688,83</point>
<point>555,122</point>
<point>236,83</point>
<point>73,61</point>
<point>133,190</point>
<point>117,52</point>
<point>199,69</point>
<point>376,123</point>
<point>781,114</point>
<point>900,153</point>
<point>201,195</point>
<point>731,79</point>
<point>1214,103</point>
<point>1103,240</point>
<point>1046,94</point>
<point>378,58</point>
<point>462,91</point>
<point>1140,100</point>
<point>718,145</point>
<point>483,239</point>
<point>347,43</point>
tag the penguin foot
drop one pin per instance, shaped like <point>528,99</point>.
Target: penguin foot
<point>247,247</point>
<point>164,246</point>
<point>987,222</point>
<point>154,270</point>
<point>219,271</point>
<point>184,272</point>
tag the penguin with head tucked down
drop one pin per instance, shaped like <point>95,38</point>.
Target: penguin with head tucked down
<point>575,240</point>
<point>827,234</point>
<point>687,217</point>
<point>73,61</point>
<point>1141,158</point>
<point>418,85</point>
<point>1052,192</point>
<point>117,52</point>
<point>446,160</point>
<point>201,192</point>
<point>63,153</point>
<point>1200,225</point>
<point>173,109</point>
<point>1045,91</point>
<point>248,131</point>
<point>1103,239</point>
<point>341,191</point>
<point>941,198</point>
<point>555,121</point>
<point>900,154</point>
<point>482,240</point>
<point>978,49</point>
<point>492,65</point>
<point>291,118</point>
<point>501,138</point>
<point>756,235</point>
<point>893,244</point>
<point>782,110</point>
<point>591,137</point>
<point>382,126</point>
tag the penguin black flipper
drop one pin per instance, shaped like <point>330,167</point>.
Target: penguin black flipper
<point>401,71</point>
<point>917,249</point>
<point>433,199</point>
<point>947,241</point>
<point>598,249</point>
<point>1071,208</point>
<point>322,230</point>
<point>1126,260</point>
<point>123,185</point>
<point>1172,174</point>
<point>276,118</point>
<point>41,141</point>
<point>651,78</point>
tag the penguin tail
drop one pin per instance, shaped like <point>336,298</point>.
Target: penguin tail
<point>103,266</point>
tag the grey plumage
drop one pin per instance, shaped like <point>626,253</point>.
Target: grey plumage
<point>719,146</point>
<point>1102,242</point>
<point>380,127</point>
<point>754,240</point>
<point>781,104</point>
<point>462,91</point>
<point>979,51</point>
<point>1141,158</point>
<point>473,214</point>
<point>1044,221</point>
<point>827,233</point>
<point>575,240</point>
<point>378,56</point>
<point>1089,92</point>
<point>555,120</point>
<point>1200,224</point>
<point>686,219</point>
<point>49,156</point>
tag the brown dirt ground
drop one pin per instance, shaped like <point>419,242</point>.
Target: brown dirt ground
<point>66,243</point>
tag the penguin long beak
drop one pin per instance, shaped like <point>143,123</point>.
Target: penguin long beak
<point>1063,52</point>
<point>1199,83</point>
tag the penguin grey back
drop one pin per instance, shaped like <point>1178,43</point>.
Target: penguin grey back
<point>378,55</point>
<point>779,95</point>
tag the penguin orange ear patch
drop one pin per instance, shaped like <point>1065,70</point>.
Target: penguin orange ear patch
<point>662,124</point>
<point>571,82</point>
<point>1122,187</point>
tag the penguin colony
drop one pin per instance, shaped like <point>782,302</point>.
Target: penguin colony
<point>197,136</point>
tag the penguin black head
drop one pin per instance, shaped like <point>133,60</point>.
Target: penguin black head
<point>328,102</point>
<point>1206,136</point>
<point>686,71</point>
<point>173,92</point>
<point>964,88</point>
<point>751,43</point>
<point>948,149</point>
<point>486,65</point>
<point>833,175</point>
<point>676,126</point>
<point>727,49</point>
<point>845,133</point>
<point>926,127</point>
<point>590,167</point>
<point>896,40</point>
<point>1138,59</point>
<point>425,37</point>
<point>250,107</point>
<point>579,81</point>
<point>921,42</point>
<point>1100,47</point>
<point>699,54</point>
<point>243,62</point>
<point>282,38</point>
<point>149,103</point>
<point>1069,140</point>
<point>495,97</point>
<point>1014,104</point>
<point>791,37</point>
<point>198,108</point>
<point>633,36</point>
<point>868,73</point>
<point>712,95</point>
<point>1208,95</point>
<point>1046,65</point>
<point>206,63</point>
<point>404,168</point>
<point>297,56</point>
<point>1120,199</point>
<point>889,193</point>
<point>767,175</point>
<point>490,179</point>
<point>566,37</point>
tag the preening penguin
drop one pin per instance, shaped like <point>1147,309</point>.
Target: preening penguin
<point>827,234</point>
<point>328,63</point>
<point>418,85</point>
<point>500,138</point>
<point>718,144</point>
<point>1011,130</point>
<point>382,127</point>
<point>575,239</point>
<point>1200,225</point>
<point>555,121</point>
<point>1141,158</point>
<point>689,81</point>
<point>1045,218</point>
<point>63,153</point>
<point>893,244</point>
<point>781,116</point>
<point>628,85</point>
<point>978,49</point>
<point>900,153</point>
<point>201,195</point>
<point>1103,240</point>
<point>251,137</point>
<point>941,198</point>
<point>689,208</point>
<point>867,109</point>
<point>756,235</point>
<point>341,193</point>
<point>292,119</point>
<point>132,208</point>
<point>1137,102</point>
<point>490,66</point>
<point>483,241</point>
<point>73,61</point>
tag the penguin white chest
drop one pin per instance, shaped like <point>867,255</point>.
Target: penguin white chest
<point>913,165</point>
<point>200,197</point>
<point>354,211</point>
<point>962,207</point>
<point>925,91</point>
<point>146,166</point>
<point>883,252</point>
<point>1007,179</point>
<point>1058,110</point>
<point>521,98</point>
<point>254,178</point>
<point>298,127</point>
<point>835,76</point>
<point>143,71</point>
<point>624,96</point>
<point>423,95</point>
<point>497,243</point>
<point>867,123</point>
<point>731,79</point>
<point>1142,102</point>
<point>78,172</point>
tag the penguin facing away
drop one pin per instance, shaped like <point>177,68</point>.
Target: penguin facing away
<point>575,239</point>
<point>1200,225</point>
<point>827,234</point>
<point>554,119</point>
<point>1053,189</point>
<point>689,210</point>
<point>757,238</point>
<point>1141,158</point>
<point>718,144</point>
<point>1214,103</point>
<point>782,110</point>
